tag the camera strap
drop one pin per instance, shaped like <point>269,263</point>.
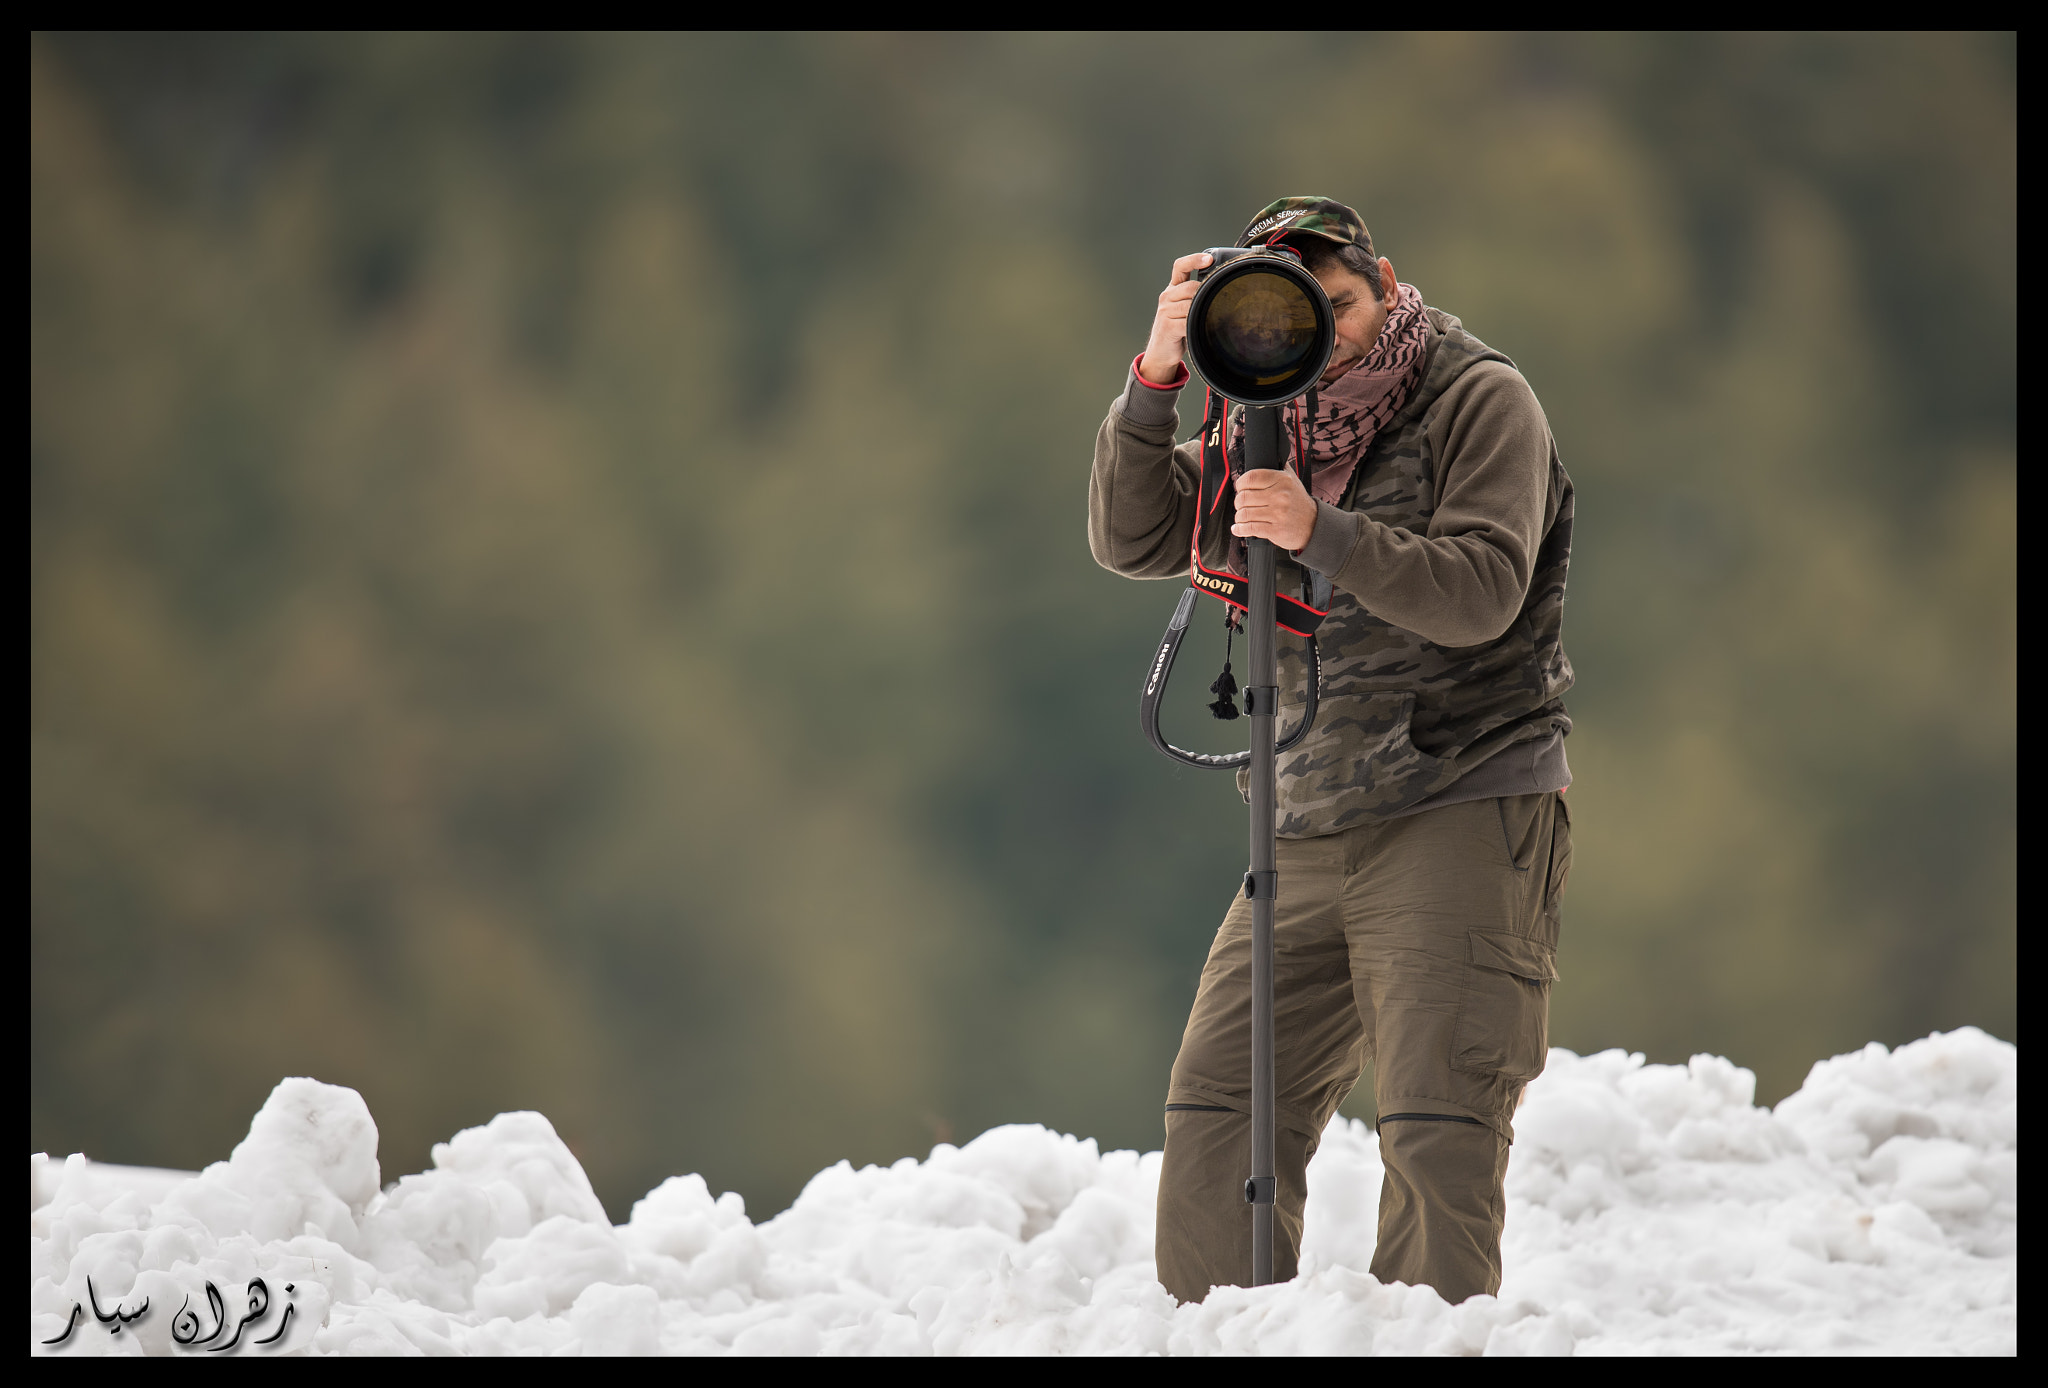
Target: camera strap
<point>1235,593</point>
<point>1289,614</point>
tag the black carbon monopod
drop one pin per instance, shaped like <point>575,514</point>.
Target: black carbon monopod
<point>1260,332</point>
<point>1263,448</point>
<point>1262,697</point>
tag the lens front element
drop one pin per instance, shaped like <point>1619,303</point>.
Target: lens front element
<point>1261,331</point>
<point>1261,326</point>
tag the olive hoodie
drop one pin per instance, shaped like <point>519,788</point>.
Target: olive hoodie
<point>1443,653</point>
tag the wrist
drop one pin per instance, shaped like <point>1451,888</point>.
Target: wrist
<point>1161,373</point>
<point>1330,540</point>
<point>1308,534</point>
<point>1147,405</point>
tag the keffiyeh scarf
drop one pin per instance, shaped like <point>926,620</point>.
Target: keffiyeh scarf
<point>1351,411</point>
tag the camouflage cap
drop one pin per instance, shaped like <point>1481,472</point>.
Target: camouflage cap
<point>1324,217</point>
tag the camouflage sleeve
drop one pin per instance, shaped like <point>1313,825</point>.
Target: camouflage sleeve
<point>1142,491</point>
<point>1463,581</point>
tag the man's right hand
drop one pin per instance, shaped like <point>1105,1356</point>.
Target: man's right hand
<point>1161,363</point>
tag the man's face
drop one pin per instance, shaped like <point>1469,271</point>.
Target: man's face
<point>1360,314</point>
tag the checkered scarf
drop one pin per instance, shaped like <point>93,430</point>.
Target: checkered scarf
<point>1351,411</point>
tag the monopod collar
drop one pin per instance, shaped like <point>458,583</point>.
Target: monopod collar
<point>1260,329</point>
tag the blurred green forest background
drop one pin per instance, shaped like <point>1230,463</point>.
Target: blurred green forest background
<point>557,572</point>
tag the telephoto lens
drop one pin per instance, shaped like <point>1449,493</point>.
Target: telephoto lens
<point>1260,330</point>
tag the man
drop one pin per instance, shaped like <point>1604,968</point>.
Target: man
<point>1423,837</point>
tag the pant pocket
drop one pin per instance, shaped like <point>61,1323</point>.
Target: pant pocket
<point>1503,1024</point>
<point>1522,828</point>
<point>1560,855</point>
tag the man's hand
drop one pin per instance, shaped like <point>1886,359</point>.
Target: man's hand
<point>1170,325</point>
<point>1271,505</point>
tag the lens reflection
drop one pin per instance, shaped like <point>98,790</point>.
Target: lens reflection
<point>1261,325</point>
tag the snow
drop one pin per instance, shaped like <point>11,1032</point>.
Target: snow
<point>1651,1209</point>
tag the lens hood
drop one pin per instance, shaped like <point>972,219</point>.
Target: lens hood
<point>1260,329</point>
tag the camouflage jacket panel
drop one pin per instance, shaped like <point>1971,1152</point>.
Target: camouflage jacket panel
<point>1402,718</point>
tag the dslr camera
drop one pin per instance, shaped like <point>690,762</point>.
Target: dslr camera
<point>1260,329</point>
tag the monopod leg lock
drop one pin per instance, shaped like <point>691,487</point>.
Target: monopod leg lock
<point>1259,1190</point>
<point>1262,886</point>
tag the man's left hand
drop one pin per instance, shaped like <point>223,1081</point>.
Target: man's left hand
<point>1271,505</point>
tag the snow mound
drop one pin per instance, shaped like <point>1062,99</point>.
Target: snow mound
<point>1651,1208</point>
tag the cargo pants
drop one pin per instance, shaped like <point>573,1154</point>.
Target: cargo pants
<point>1424,946</point>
